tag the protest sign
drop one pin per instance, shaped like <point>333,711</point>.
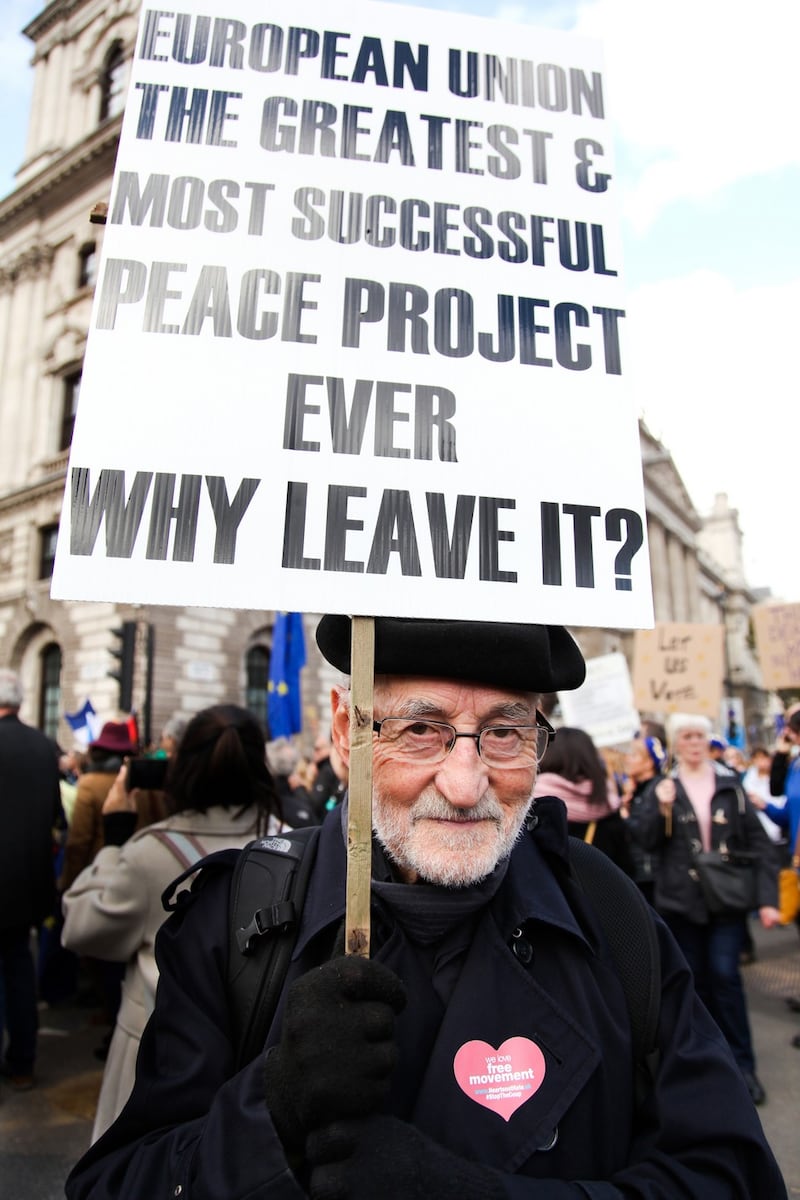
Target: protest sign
<point>603,704</point>
<point>358,335</point>
<point>777,630</point>
<point>679,668</point>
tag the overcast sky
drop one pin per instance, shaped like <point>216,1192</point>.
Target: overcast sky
<point>703,100</point>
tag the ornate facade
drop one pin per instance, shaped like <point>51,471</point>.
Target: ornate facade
<point>49,248</point>
<point>697,576</point>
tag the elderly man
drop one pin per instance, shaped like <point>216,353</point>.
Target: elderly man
<point>485,1052</point>
<point>30,808</point>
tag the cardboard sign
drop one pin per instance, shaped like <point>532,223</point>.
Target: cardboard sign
<point>358,339</point>
<point>603,704</point>
<point>679,668</point>
<point>777,629</point>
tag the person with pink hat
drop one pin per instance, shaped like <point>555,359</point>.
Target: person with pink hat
<point>85,835</point>
<point>85,838</point>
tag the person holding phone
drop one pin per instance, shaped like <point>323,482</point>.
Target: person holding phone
<point>784,779</point>
<point>784,776</point>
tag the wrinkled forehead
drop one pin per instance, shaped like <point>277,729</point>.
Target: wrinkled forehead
<point>401,695</point>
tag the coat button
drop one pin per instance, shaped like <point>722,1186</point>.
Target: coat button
<point>549,1145</point>
<point>521,948</point>
<point>178,1191</point>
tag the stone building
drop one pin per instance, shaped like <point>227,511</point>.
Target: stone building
<point>48,254</point>
<point>697,576</point>
<point>49,249</point>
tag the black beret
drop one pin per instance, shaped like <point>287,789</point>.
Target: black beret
<point>527,658</point>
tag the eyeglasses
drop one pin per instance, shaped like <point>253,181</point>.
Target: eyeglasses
<point>499,746</point>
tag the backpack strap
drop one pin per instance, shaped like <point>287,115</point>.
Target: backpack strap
<point>627,922</point>
<point>268,888</point>
<point>183,846</point>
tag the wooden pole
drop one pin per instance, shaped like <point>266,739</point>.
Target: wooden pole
<point>359,817</point>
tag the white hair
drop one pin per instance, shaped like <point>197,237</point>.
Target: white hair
<point>10,688</point>
<point>678,721</point>
<point>175,727</point>
<point>282,756</point>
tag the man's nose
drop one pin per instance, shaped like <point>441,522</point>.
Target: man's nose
<point>463,776</point>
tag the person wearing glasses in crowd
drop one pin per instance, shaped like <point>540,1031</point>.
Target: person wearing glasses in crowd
<point>485,1050</point>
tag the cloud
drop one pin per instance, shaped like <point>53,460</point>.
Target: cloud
<point>711,367</point>
<point>703,93</point>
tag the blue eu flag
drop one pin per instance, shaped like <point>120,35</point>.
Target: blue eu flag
<point>284,710</point>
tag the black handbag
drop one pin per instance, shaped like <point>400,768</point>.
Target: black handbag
<point>728,880</point>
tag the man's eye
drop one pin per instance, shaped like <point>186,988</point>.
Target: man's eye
<point>420,729</point>
<point>498,734</point>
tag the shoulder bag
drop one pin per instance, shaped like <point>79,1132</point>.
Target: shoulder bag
<point>728,877</point>
<point>789,886</point>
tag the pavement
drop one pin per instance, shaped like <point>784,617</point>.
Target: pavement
<point>774,976</point>
<point>43,1132</point>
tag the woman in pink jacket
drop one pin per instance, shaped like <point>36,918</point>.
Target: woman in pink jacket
<point>573,770</point>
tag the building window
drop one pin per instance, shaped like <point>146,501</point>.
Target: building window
<point>87,265</point>
<point>72,388</point>
<point>48,536</point>
<point>112,95</point>
<point>50,690</point>
<point>257,671</point>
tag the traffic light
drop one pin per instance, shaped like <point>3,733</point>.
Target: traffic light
<point>125,654</point>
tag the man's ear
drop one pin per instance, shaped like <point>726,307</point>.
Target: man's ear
<point>340,723</point>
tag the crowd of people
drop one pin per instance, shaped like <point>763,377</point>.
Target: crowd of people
<point>91,854</point>
<point>88,854</point>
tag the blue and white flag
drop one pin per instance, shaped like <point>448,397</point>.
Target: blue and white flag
<point>84,723</point>
<point>284,708</point>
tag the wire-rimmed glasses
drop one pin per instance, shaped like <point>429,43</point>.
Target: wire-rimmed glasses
<point>418,740</point>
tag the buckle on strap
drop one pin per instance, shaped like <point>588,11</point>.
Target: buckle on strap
<point>274,919</point>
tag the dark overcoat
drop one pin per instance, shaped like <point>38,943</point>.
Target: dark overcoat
<point>194,1129</point>
<point>30,808</point>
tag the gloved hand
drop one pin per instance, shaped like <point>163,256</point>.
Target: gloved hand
<point>383,1156</point>
<point>337,1047</point>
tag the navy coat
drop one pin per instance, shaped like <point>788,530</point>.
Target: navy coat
<point>193,1129</point>
<point>30,808</point>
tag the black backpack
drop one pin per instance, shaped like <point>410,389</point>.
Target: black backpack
<point>267,894</point>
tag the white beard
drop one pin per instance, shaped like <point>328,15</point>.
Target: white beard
<point>455,855</point>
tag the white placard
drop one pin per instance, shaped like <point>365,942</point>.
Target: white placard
<point>358,339</point>
<point>603,705</point>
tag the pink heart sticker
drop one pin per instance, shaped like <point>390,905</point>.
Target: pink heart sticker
<point>501,1079</point>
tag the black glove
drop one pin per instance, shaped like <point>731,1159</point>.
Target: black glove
<point>383,1156</point>
<point>337,1047</point>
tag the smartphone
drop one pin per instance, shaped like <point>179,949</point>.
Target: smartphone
<point>147,773</point>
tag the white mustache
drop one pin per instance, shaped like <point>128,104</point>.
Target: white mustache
<point>436,808</point>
